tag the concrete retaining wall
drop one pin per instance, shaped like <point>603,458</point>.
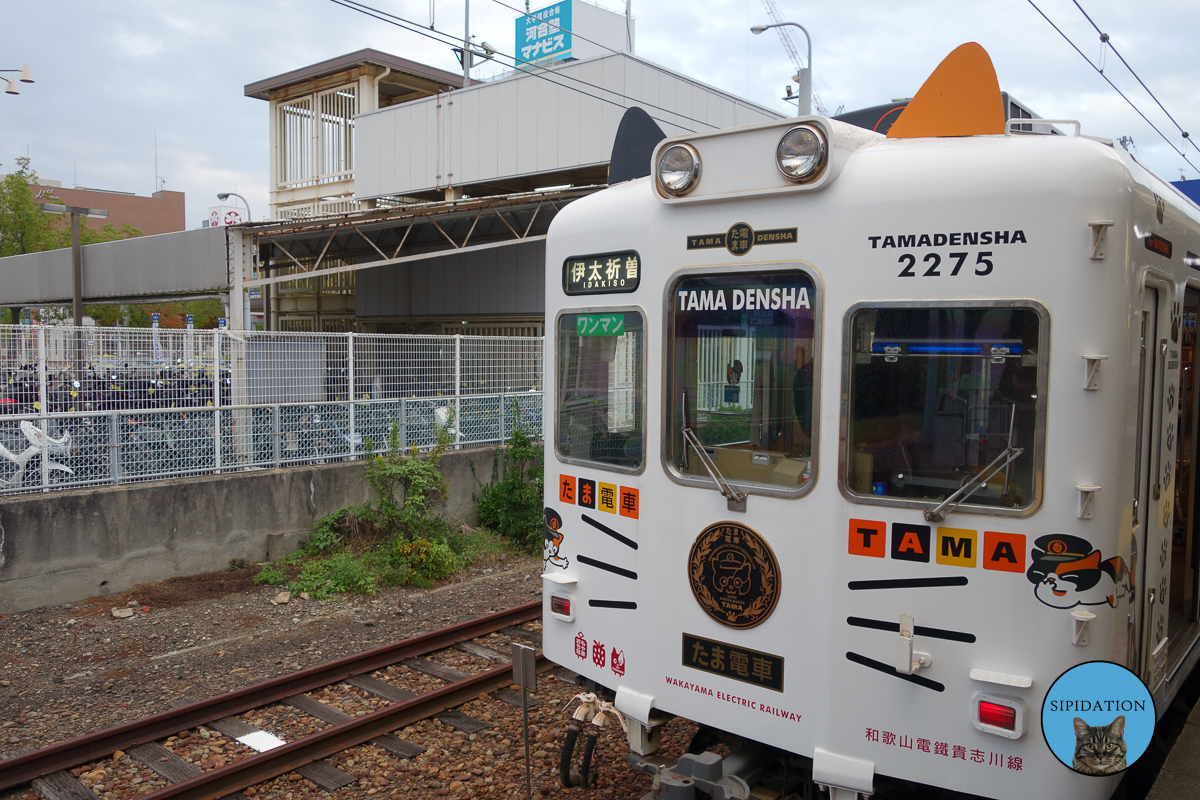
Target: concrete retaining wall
<point>66,546</point>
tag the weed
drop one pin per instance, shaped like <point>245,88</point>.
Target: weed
<point>365,573</point>
<point>270,575</point>
<point>238,563</point>
<point>394,540</point>
<point>348,527</point>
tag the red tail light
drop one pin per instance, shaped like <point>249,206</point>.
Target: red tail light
<point>997,715</point>
<point>560,605</point>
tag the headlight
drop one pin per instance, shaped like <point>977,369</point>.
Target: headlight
<point>679,169</point>
<point>801,153</point>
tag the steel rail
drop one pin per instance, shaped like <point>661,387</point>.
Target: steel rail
<point>293,755</point>
<point>25,767</point>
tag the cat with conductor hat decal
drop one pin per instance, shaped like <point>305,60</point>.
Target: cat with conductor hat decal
<point>1067,572</point>
<point>552,538</point>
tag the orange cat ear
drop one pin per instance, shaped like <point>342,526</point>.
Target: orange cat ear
<point>961,98</point>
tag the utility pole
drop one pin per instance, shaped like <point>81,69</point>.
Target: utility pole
<point>76,269</point>
<point>466,53</point>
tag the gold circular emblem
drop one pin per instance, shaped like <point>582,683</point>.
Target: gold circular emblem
<point>734,575</point>
<point>739,239</point>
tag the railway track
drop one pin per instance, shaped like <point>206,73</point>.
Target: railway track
<point>262,756</point>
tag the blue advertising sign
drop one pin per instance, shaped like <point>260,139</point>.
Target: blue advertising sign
<point>544,35</point>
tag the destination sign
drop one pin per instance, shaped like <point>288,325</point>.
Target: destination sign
<point>604,273</point>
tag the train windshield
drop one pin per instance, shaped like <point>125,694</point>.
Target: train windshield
<point>942,398</point>
<point>742,376</point>
<point>601,383</point>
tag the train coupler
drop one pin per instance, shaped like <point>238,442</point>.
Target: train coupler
<point>723,778</point>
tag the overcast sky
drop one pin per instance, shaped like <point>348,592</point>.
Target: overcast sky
<point>111,75</point>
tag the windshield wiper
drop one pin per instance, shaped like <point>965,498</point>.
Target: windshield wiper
<point>737,500</point>
<point>977,482</point>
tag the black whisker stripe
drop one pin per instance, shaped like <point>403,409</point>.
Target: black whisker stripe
<point>908,583</point>
<point>919,630</point>
<point>624,573</point>
<point>600,526</point>
<point>629,604</point>
<point>888,669</point>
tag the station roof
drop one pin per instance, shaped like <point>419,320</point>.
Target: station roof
<point>405,76</point>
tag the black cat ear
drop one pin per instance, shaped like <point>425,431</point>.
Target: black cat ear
<point>1081,728</point>
<point>637,136</point>
<point>1117,726</point>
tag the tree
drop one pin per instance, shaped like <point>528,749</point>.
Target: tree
<point>205,314</point>
<point>25,228</point>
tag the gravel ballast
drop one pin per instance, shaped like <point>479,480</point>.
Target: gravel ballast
<point>70,670</point>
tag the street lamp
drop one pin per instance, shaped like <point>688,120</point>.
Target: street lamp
<point>246,295</point>
<point>227,195</point>
<point>804,76</point>
<point>26,77</point>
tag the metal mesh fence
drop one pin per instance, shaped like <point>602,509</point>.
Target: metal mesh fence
<point>149,404</point>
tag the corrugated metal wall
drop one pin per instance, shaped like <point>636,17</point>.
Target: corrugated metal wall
<point>523,124</point>
<point>184,261</point>
<point>503,280</point>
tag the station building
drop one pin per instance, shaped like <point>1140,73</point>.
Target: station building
<point>403,201</point>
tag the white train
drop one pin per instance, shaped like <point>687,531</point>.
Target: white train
<point>855,444</point>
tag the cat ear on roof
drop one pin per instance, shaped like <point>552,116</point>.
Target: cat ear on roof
<point>1117,726</point>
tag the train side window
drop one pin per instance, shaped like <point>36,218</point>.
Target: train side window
<point>742,349</point>
<point>600,394</point>
<point>940,395</point>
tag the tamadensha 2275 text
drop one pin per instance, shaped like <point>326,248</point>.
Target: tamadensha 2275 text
<point>961,239</point>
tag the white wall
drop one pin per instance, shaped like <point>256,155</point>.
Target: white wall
<point>530,123</point>
<point>604,29</point>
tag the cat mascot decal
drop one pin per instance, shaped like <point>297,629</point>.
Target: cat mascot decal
<point>1067,572</point>
<point>552,538</point>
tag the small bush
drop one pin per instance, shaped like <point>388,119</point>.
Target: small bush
<point>335,531</point>
<point>421,483</point>
<point>511,503</point>
<point>270,575</point>
<point>431,561</point>
<point>238,563</point>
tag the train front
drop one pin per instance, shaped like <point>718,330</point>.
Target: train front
<point>796,456</point>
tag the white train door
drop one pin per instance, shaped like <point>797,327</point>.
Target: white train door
<point>1182,410</point>
<point>1152,495</point>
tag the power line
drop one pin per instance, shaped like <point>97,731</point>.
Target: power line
<point>603,47</point>
<point>1104,37</point>
<point>1114,87</point>
<point>445,38</point>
